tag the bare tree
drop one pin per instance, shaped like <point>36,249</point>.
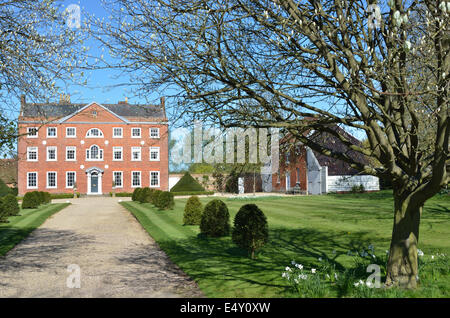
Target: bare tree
<point>338,62</point>
<point>39,53</point>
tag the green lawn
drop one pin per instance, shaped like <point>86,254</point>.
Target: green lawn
<point>304,229</point>
<point>22,225</point>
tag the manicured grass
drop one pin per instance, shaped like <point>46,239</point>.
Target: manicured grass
<point>22,225</point>
<point>304,229</point>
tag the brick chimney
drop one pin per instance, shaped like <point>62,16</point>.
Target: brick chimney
<point>23,100</point>
<point>163,105</point>
<point>64,98</point>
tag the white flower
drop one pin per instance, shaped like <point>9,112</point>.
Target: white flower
<point>303,276</point>
<point>288,269</point>
<point>293,263</point>
<point>432,256</point>
<point>320,259</point>
<point>299,266</point>
<point>420,253</point>
<point>313,270</point>
<point>335,276</point>
<point>369,284</point>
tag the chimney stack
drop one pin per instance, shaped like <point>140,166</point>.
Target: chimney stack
<point>163,105</point>
<point>23,100</point>
<point>64,98</point>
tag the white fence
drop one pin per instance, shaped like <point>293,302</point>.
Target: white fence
<point>345,183</point>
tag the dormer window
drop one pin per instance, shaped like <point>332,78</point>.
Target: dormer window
<point>94,133</point>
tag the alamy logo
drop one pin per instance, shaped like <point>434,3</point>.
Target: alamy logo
<point>209,145</point>
<point>74,279</point>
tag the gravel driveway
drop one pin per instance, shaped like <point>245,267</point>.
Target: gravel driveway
<point>115,255</point>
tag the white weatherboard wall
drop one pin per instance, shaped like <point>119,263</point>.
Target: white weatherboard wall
<point>173,181</point>
<point>345,183</point>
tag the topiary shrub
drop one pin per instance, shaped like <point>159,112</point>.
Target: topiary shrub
<point>215,219</point>
<point>41,197</point>
<point>187,183</point>
<point>250,230</point>
<point>10,205</point>
<point>135,194</point>
<point>165,201</point>
<point>193,211</point>
<point>154,196</point>
<point>4,189</point>
<point>145,195</point>
<point>3,213</point>
<point>47,197</point>
<point>31,200</point>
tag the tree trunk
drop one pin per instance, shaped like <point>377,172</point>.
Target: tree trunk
<point>402,267</point>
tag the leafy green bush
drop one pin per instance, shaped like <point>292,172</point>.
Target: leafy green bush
<point>187,183</point>
<point>41,197</point>
<point>250,230</point>
<point>193,211</point>
<point>154,197</point>
<point>15,191</point>
<point>47,197</point>
<point>4,189</point>
<point>31,200</point>
<point>145,195</point>
<point>3,213</point>
<point>215,220</point>
<point>358,189</point>
<point>135,195</point>
<point>10,205</point>
<point>165,201</point>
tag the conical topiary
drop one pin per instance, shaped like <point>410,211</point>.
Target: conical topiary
<point>187,184</point>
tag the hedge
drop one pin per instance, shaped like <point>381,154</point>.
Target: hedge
<point>4,189</point>
<point>187,183</point>
<point>124,194</point>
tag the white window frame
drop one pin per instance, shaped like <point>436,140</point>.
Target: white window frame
<point>74,136</point>
<point>100,153</point>
<point>56,153</point>
<point>88,133</point>
<point>28,154</point>
<point>28,180</point>
<point>140,132</point>
<point>56,180</point>
<point>140,179</point>
<point>32,136</point>
<point>114,152</point>
<point>150,132</point>
<point>121,132</point>
<point>74,179</point>
<point>75,153</point>
<point>150,180</point>
<point>140,153</point>
<point>56,132</point>
<point>121,179</point>
<point>150,153</point>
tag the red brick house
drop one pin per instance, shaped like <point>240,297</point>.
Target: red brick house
<point>95,148</point>
<point>292,167</point>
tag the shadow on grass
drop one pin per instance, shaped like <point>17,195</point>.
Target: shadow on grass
<point>220,265</point>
